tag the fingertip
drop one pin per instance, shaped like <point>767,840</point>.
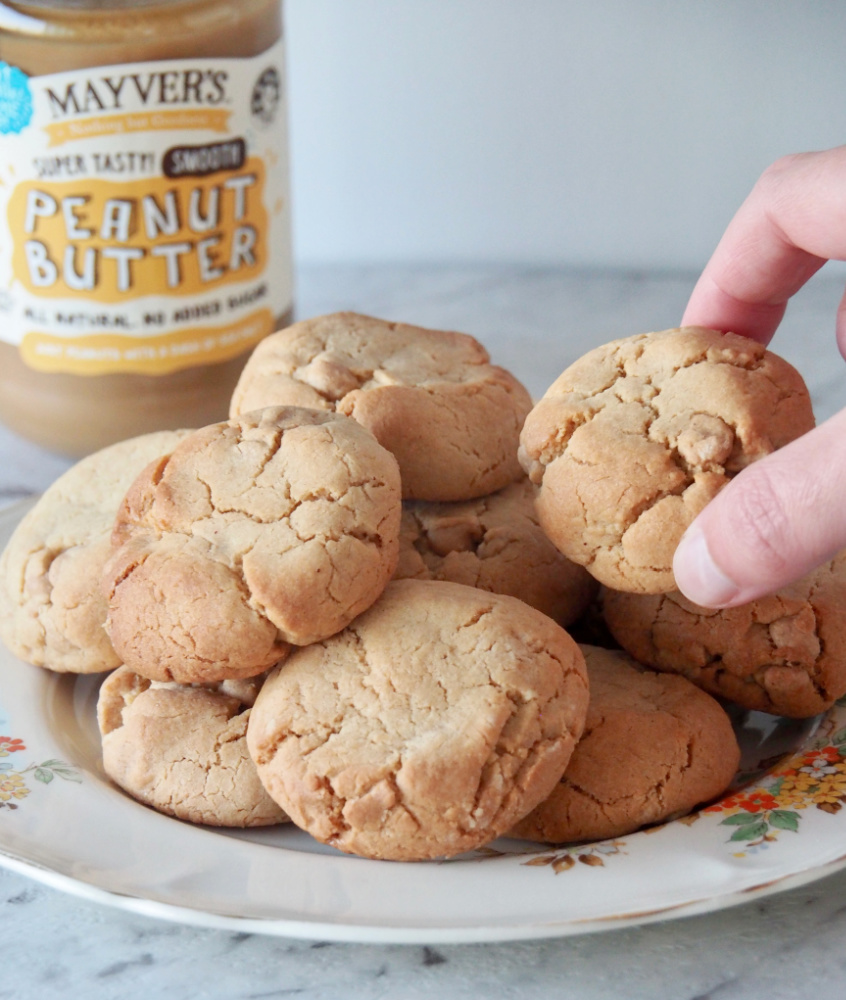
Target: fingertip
<point>698,576</point>
<point>714,307</point>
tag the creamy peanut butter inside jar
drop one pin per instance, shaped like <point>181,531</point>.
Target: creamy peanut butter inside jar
<point>144,211</point>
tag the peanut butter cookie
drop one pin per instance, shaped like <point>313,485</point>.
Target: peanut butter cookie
<point>428,727</point>
<point>654,747</point>
<point>431,397</point>
<point>494,543</point>
<point>52,610</point>
<point>631,442</point>
<point>276,527</point>
<point>784,654</point>
<point>183,750</point>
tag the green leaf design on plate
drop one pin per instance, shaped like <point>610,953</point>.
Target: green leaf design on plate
<point>43,774</point>
<point>785,819</point>
<point>740,819</point>
<point>750,832</point>
<point>58,768</point>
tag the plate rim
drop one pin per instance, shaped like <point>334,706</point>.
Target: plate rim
<point>355,933</point>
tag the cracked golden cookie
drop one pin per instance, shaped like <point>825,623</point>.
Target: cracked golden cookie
<point>427,727</point>
<point>631,442</point>
<point>784,654</point>
<point>275,527</point>
<point>52,610</point>
<point>183,749</point>
<point>431,397</point>
<point>654,747</point>
<point>494,543</point>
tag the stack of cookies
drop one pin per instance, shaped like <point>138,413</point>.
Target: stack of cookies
<point>347,606</point>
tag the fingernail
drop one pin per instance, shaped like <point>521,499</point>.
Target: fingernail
<point>697,575</point>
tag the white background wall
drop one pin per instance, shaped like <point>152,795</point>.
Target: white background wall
<point>609,132</point>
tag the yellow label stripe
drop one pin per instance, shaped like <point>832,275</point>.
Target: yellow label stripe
<point>108,353</point>
<point>211,119</point>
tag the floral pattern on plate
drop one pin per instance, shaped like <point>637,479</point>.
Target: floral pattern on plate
<point>13,780</point>
<point>815,777</point>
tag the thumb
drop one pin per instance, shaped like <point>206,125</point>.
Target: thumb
<point>772,524</point>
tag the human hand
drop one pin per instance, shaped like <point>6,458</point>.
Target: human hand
<point>786,514</point>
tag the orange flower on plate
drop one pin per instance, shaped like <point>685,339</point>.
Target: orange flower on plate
<point>8,745</point>
<point>758,800</point>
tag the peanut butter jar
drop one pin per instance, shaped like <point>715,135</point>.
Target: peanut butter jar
<point>144,211</point>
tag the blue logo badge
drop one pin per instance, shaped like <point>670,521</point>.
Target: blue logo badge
<point>15,99</point>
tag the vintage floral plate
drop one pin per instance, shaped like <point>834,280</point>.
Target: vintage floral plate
<point>63,823</point>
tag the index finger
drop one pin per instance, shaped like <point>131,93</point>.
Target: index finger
<point>792,222</point>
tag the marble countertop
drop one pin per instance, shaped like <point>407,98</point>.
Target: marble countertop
<point>533,321</point>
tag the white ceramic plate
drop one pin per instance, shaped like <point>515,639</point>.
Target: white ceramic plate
<point>63,823</point>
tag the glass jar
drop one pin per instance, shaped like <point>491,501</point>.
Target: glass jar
<point>144,211</point>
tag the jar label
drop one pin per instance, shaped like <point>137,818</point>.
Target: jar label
<point>144,213</point>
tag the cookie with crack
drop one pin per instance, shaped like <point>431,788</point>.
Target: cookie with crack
<point>631,442</point>
<point>52,610</point>
<point>654,747</point>
<point>182,749</point>
<point>276,527</point>
<point>494,543</point>
<point>784,654</point>
<point>427,727</point>
<point>431,397</point>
